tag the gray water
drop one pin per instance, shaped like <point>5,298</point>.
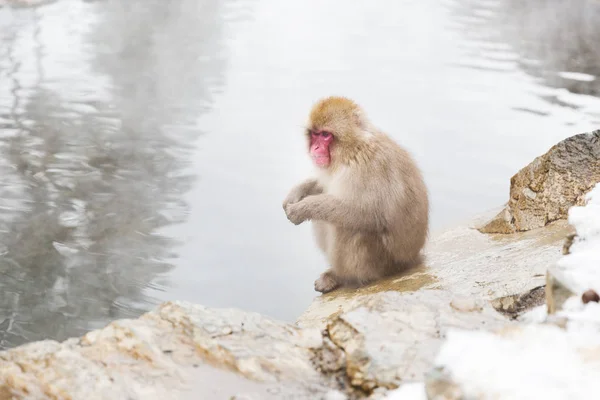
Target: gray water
<point>146,145</point>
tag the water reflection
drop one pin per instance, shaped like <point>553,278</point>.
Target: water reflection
<point>554,42</point>
<point>94,146</point>
<point>562,36</point>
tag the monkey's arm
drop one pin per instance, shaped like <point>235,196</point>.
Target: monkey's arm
<point>307,188</point>
<point>325,207</point>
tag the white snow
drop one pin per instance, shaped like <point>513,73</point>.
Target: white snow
<point>409,391</point>
<point>535,360</point>
<point>581,268</point>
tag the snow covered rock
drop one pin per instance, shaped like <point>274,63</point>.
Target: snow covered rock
<point>554,353</point>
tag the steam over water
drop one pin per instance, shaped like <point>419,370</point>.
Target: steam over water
<point>146,145</point>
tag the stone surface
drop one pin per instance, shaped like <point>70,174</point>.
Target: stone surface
<point>515,305</point>
<point>391,331</point>
<point>176,351</point>
<point>464,262</point>
<point>558,290</point>
<point>394,337</point>
<point>553,353</point>
<point>544,190</point>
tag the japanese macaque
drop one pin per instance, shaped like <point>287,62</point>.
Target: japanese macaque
<point>368,203</point>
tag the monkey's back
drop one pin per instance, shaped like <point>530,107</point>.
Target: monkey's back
<point>391,188</point>
<point>407,207</point>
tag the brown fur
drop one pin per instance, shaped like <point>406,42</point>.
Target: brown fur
<point>369,208</point>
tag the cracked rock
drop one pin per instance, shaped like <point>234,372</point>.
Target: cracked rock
<point>175,351</point>
<point>394,338</point>
<point>517,304</point>
<point>544,190</point>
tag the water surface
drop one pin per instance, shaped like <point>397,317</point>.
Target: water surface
<point>146,146</point>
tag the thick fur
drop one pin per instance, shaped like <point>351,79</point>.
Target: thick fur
<point>369,208</point>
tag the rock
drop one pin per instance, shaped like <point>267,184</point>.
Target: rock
<point>501,223</point>
<point>390,331</point>
<point>568,243</point>
<point>544,190</point>
<point>515,305</point>
<point>439,385</point>
<point>330,359</point>
<point>180,350</point>
<point>408,391</point>
<point>551,355</point>
<point>465,304</point>
<point>471,266</point>
<point>393,337</point>
<point>559,290</point>
<point>256,346</point>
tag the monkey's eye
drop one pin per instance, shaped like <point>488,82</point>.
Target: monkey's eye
<point>326,135</point>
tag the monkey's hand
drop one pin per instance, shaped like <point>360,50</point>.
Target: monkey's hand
<point>298,212</point>
<point>294,197</point>
<point>306,188</point>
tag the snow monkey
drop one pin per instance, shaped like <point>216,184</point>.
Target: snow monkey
<point>368,202</point>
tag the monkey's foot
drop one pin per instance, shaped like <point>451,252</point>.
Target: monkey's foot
<point>326,283</point>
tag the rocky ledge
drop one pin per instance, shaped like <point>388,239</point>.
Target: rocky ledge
<point>550,185</point>
<point>508,315</point>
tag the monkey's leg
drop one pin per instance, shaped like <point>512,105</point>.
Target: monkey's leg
<point>327,282</point>
<point>322,233</point>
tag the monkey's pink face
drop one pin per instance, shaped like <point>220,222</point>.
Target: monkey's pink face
<point>319,147</point>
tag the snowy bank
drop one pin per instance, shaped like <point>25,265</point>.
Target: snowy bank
<point>552,355</point>
<point>579,270</point>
